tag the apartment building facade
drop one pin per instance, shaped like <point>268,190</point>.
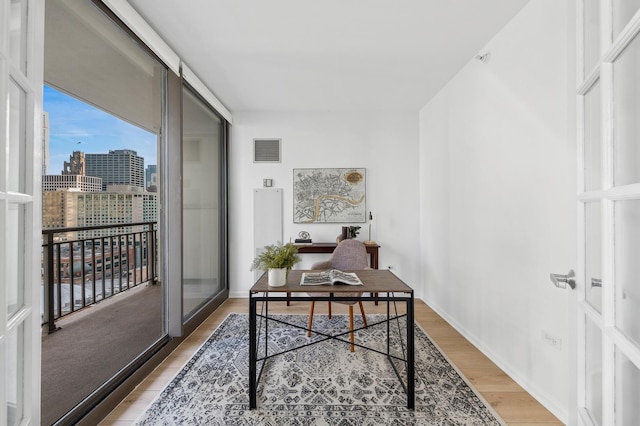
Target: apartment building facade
<point>117,167</point>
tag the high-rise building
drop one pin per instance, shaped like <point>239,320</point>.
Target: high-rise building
<point>151,178</point>
<point>76,164</point>
<point>72,177</point>
<point>121,204</point>
<point>59,209</point>
<point>118,167</point>
<point>77,182</point>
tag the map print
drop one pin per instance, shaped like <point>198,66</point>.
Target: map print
<point>329,195</point>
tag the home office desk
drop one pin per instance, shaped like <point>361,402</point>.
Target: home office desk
<point>375,282</point>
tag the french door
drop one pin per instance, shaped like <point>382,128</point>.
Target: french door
<point>609,212</point>
<point>21,53</point>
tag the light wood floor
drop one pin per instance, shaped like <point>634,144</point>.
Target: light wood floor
<point>511,402</point>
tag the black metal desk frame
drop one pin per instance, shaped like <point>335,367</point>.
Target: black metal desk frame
<point>254,358</point>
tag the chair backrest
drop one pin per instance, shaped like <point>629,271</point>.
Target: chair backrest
<point>349,254</point>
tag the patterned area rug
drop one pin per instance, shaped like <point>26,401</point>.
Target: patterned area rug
<point>323,384</point>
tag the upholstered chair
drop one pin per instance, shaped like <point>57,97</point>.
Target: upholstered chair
<point>349,255</point>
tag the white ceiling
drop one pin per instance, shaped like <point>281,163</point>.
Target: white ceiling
<point>292,55</point>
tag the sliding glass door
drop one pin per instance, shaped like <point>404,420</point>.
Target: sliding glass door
<point>203,141</point>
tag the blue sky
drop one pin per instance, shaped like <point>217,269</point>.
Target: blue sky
<point>78,126</point>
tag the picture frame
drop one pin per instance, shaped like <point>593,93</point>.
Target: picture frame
<point>329,195</point>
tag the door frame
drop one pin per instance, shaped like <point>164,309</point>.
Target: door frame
<point>607,194</point>
<point>28,76</point>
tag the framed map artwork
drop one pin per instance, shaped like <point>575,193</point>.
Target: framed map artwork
<point>329,195</point>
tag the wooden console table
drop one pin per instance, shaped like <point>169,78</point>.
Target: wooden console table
<point>372,249</point>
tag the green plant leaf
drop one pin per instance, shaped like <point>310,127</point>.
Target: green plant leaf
<point>276,256</point>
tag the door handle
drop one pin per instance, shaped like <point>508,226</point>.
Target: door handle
<point>561,281</point>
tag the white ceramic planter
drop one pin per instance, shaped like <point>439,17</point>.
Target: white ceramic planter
<point>277,277</point>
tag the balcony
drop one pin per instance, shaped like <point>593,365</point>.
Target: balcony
<point>101,308</point>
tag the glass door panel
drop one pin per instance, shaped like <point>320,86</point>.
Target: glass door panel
<point>18,34</point>
<point>14,374</point>
<point>627,390</point>
<point>592,139</point>
<point>626,104</point>
<point>17,138</point>
<point>16,181</point>
<point>627,268</point>
<point>591,34</point>
<point>15,259</point>
<point>593,253</point>
<point>593,373</point>
<point>203,133</point>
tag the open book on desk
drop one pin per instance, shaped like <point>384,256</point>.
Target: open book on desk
<point>330,277</point>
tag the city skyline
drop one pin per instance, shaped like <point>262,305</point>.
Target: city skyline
<point>77,126</point>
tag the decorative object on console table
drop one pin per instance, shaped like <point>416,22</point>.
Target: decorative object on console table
<point>370,242</point>
<point>348,232</point>
<point>277,260</point>
<point>304,238</point>
<point>344,235</point>
<point>354,231</point>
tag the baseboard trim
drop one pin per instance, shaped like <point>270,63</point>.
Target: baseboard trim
<point>535,392</point>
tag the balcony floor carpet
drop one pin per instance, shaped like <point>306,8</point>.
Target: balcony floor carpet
<point>94,344</point>
<point>322,384</point>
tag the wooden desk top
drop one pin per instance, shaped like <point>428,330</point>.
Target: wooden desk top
<point>374,281</point>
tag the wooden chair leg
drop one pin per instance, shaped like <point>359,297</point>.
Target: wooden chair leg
<point>310,318</point>
<point>351,327</point>
<point>364,317</point>
<point>329,309</point>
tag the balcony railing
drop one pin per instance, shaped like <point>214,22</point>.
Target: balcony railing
<point>85,265</point>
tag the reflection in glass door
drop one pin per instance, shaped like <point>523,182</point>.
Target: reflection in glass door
<point>202,144</point>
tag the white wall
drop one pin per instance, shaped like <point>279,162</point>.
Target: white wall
<point>386,144</point>
<point>497,173</point>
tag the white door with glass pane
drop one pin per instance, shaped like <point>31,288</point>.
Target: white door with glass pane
<point>608,278</point>
<point>21,29</point>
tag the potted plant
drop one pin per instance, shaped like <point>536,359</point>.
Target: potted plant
<point>277,260</point>
<point>348,232</point>
<point>354,231</point>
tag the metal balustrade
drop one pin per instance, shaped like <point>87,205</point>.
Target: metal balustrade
<point>82,266</point>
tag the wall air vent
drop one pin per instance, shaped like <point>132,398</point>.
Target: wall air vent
<point>266,151</point>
